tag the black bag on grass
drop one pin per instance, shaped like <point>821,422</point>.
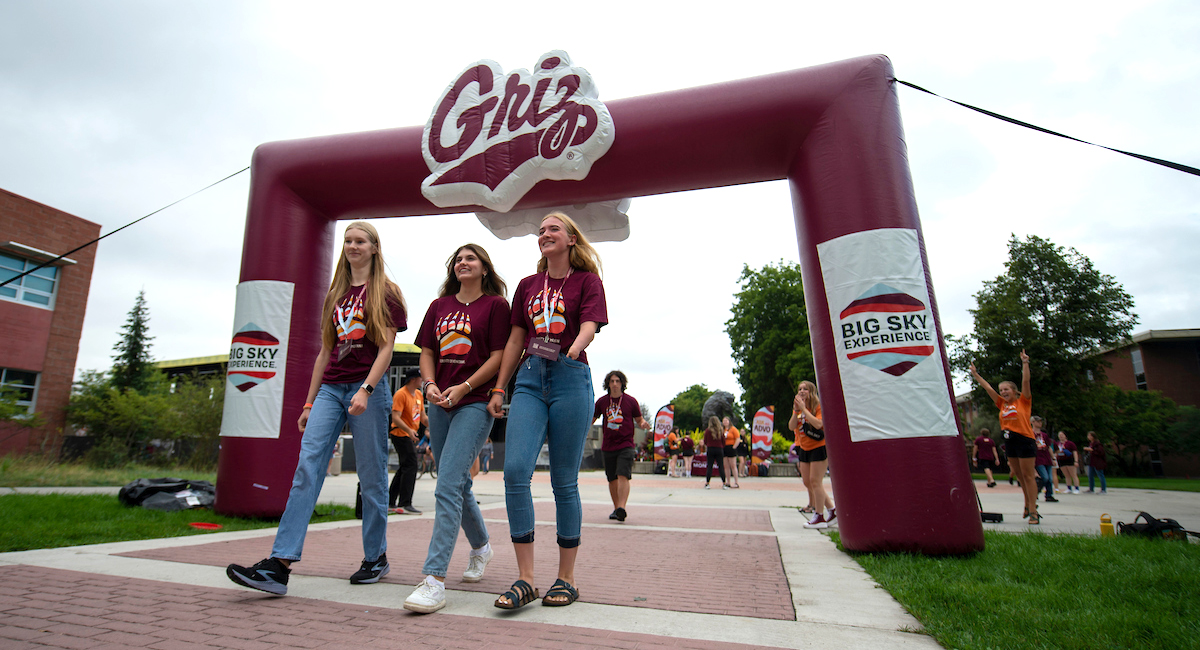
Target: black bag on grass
<point>1164,528</point>
<point>168,494</point>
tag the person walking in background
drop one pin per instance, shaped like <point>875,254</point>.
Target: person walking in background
<point>742,450</point>
<point>619,411</point>
<point>687,449</point>
<point>362,312</point>
<point>1097,463</point>
<point>485,456</point>
<point>556,313</point>
<point>673,446</point>
<point>984,452</point>
<point>714,449</point>
<point>729,452</point>
<point>408,414</point>
<point>809,430</point>
<point>462,339</point>
<point>1043,460</point>
<point>1068,462</point>
<point>1015,410</point>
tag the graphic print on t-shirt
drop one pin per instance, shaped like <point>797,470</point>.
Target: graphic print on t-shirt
<point>350,311</point>
<point>454,334</point>
<point>612,415</point>
<point>537,315</point>
<point>1008,410</point>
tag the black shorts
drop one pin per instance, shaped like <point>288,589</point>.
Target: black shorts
<point>986,464</point>
<point>729,452</point>
<point>811,456</point>
<point>743,451</point>
<point>688,453</point>
<point>618,463</point>
<point>1018,446</point>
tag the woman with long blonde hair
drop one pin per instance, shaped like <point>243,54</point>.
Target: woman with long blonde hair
<point>1019,446</point>
<point>361,314</point>
<point>809,429</point>
<point>556,313</point>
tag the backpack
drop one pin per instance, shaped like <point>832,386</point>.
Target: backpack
<point>1154,528</point>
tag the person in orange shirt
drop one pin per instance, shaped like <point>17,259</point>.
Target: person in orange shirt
<point>731,438</point>
<point>813,458</point>
<point>408,413</point>
<point>1015,409</point>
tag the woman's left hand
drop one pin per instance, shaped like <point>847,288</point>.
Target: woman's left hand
<point>455,394</point>
<point>358,403</point>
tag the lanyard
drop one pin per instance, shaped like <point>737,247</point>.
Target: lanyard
<point>349,320</point>
<point>547,308</point>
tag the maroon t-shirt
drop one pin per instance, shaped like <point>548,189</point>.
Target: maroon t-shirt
<point>577,300</point>
<point>617,425</point>
<point>986,448</point>
<point>1045,449</point>
<point>462,337</point>
<point>356,365</point>
<point>1066,453</point>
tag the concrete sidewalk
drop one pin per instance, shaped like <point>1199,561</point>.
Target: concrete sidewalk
<point>689,568</point>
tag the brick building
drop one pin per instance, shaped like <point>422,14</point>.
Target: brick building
<point>41,315</point>
<point>1167,361</point>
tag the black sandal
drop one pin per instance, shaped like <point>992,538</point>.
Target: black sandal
<point>518,595</point>
<point>561,589</point>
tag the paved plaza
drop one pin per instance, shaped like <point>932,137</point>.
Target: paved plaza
<point>689,568</point>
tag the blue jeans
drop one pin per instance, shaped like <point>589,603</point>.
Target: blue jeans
<point>1092,472</point>
<point>456,437</point>
<point>552,403</point>
<point>1043,472</point>
<point>329,413</point>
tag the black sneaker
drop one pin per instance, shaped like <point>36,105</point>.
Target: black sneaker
<point>1051,499</point>
<point>270,576</point>
<point>371,571</point>
<point>409,510</point>
<point>620,513</point>
<point>614,514</point>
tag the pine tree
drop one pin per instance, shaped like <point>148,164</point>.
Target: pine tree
<point>131,364</point>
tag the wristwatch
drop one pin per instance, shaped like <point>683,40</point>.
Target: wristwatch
<point>369,388</point>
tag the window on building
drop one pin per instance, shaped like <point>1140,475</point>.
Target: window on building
<point>1139,371</point>
<point>37,288</point>
<point>20,384</point>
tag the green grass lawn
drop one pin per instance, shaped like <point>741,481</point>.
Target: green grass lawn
<point>32,521</point>
<point>1033,590</point>
<point>1174,484</point>
<point>25,471</point>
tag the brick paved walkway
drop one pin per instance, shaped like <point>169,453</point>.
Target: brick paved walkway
<point>618,565</point>
<point>42,607</point>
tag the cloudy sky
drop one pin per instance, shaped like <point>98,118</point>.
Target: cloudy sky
<point>110,110</point>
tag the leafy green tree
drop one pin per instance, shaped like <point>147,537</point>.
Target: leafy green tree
<point>1183,437</point>
<point>1135,420</point>
<point>688,405</point>
<point>769,336</point>
<point>1054,304</point>
<point>132,367</point>
<point>196,407</point>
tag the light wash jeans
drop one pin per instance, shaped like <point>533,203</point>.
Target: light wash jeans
<point>552,403</point>
<point>329,413</point>
<point>456,437</point>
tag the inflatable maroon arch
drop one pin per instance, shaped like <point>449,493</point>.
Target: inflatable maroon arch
<point>832,130</point>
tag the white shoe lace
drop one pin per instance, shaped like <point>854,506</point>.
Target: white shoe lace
<point>476,564</point>
<point>426,591</point>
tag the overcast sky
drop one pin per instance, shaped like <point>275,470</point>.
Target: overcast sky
<point>110,110</point>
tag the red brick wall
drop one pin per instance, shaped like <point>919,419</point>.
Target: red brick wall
<point>1173,368</point>
<point>54,231</point>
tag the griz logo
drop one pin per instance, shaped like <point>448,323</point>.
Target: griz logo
<point>886,329</point>
<point>492,137</point>
<point>252,357</point>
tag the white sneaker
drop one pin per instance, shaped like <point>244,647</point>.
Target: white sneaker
<point>477,564</point>
<point>818,521</point>
<point>429,597</point>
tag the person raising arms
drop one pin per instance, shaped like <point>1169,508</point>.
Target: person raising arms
<point>1015,408</point>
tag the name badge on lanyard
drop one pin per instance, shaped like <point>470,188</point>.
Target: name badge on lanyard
<point>543,347</point>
